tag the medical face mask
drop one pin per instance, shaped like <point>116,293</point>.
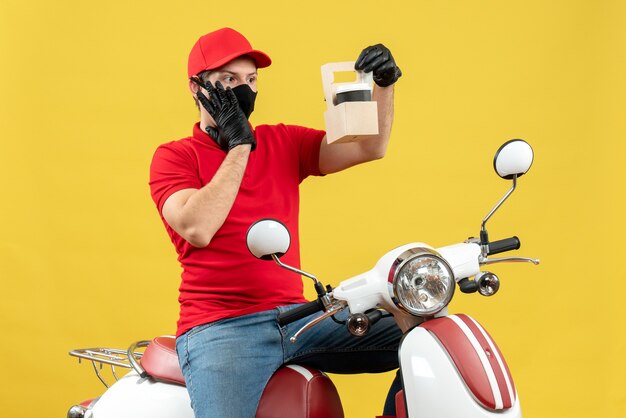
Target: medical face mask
<point>246,97</point>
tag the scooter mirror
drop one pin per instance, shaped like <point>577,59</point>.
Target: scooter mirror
<point>513,158</point>
<point>266,238</point>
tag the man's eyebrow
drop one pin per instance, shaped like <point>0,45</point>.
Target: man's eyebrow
<point>235,73</point>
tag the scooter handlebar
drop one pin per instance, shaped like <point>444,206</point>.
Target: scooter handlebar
<point>503,245</point>
<point>303,311</point>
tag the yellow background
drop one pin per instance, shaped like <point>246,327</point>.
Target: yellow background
<point>89,89</point>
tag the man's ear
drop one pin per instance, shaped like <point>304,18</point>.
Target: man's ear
<point>193,86</point>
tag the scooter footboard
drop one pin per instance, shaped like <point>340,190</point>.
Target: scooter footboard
<point>452,368</point>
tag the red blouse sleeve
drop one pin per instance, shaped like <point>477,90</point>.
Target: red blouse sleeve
<point>173,168</point>
<point>309,142</point>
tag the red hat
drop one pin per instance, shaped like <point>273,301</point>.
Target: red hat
<point>220,47</point>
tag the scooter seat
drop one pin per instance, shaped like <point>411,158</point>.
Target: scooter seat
<point>161,361</point>
<point>293,391</point>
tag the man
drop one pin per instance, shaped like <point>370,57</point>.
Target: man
<point>209,189</point>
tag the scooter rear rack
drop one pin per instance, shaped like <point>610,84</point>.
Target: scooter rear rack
<point>114,357</point>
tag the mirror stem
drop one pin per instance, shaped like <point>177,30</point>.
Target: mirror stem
<point>483,231</point>
<point>295,270</point>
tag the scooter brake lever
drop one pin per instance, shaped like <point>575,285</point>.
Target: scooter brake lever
<point>485,260</point>
<point>332,310</point>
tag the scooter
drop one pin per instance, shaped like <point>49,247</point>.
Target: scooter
<point>450,365</point>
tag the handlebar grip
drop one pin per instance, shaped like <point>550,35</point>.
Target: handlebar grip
<point>305,310</point>
<point>503,245</point>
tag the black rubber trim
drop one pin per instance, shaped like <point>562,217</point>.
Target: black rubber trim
<point>503,245</point>
<point>303,311</point>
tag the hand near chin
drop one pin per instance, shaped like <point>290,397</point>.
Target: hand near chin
<point>232,127</point>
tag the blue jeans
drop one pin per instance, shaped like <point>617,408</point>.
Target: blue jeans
<point>227,363</point>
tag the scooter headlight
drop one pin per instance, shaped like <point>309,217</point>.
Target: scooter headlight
<point>421,282</point>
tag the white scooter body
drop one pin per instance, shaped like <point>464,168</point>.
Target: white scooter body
<point>428,368</point>
<point>132,396</point>
<point>433,385</point>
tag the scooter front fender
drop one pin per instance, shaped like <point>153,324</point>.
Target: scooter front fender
<point>134,397</point>
<point>451,368</point>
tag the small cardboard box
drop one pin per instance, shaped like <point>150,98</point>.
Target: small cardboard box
<point>348,121</point>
